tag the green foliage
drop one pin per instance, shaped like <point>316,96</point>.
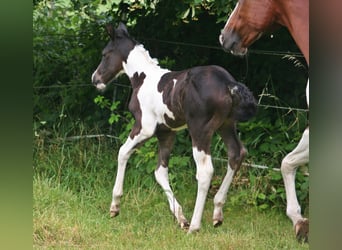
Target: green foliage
<point>68,37</point>
<point>104,103</point>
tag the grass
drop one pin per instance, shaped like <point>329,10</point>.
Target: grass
<point>72,191</point>
<point>67,220</point>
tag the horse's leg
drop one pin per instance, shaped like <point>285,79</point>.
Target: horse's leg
<point>236,154</point>
<point>125,152</point>
<point>166,141</point>
<point>289,165</point>
<point>307,92</point>
<point>204,170</point>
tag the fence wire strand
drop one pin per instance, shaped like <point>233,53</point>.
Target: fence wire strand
<point>79,137</point>
<point>115,83</point>
<point>128,86</point>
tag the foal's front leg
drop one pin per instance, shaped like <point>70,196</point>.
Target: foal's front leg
<point>125,152</point>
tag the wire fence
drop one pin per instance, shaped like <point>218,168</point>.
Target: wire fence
<point>80,137</point>
<point>189,44</point>
<point>116,83</point>
<point>251,51</point>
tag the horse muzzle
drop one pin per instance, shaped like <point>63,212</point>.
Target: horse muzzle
<point>231,42</point>
<point>97,81</point>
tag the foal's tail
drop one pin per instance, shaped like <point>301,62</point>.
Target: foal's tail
<point>244,103</point>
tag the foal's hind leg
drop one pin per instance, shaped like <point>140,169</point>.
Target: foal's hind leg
<point>204,170</point>
<point>289,165</point>
<point>236,154</point>
<point>166,141</point>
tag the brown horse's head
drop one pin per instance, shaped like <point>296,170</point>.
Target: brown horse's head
<point>113,55</point>
<point>247,22</point>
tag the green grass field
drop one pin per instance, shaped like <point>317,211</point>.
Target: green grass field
<point>72,192</point>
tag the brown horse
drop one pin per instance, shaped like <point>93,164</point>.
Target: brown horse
<point>248,21</point>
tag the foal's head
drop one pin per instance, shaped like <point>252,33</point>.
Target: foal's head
<point>113,55</point>
<point>247,22</point>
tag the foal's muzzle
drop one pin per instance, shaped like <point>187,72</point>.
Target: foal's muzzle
<point>97,81</point>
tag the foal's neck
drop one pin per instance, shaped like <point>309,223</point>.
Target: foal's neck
<point>139,60</point>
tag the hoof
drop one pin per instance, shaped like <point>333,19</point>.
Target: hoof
<point>114,214</point>
<point>302,230</point>
<point>218,217</point>
<point>192,231</point>
<point>184,225</point>
<point>217,223</point>
<point>114,210</point>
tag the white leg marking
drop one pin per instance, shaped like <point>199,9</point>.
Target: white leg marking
<point>161,174</point>
<point>125,152</point>
<point>204,173</point>
<point>289,165</point>
<point>307,92</point>
<point>221,195</point>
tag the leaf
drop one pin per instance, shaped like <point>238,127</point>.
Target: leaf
<point>193,11</point>
<point>186,13</point>
<point>263,206</point>
<point>262,196</point>
<point>113,118</point>
<point>114,105</point>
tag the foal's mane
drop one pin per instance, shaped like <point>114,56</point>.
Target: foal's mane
<point>140,48</point>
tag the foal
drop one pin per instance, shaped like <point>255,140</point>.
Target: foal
<point>204,99</point>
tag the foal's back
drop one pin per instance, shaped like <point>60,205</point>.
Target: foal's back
<point>204,91</point>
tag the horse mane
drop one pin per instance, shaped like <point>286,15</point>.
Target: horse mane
<point>140,48</point>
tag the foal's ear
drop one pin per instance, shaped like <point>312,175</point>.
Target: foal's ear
<point>122,27</point>
<point>110,30</point>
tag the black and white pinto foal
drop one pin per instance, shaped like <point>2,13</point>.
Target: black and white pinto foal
<point>204,99</point>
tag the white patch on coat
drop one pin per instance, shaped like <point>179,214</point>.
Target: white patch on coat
<point>174,82</point>
<point>233,90</point>
<point>139,60</point>
<point>100,86</point>
<point>151,100</point>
